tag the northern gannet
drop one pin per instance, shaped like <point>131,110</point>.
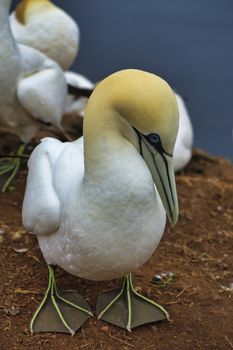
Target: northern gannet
<point>42,25</point>
<point>98,205</point>
<point>33,89</point>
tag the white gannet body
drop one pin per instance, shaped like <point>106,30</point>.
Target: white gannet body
<point>93,229</point>
<point>94,206</point>
<point>76,106</point>
<point>32,87</point>
<point>42,25</point>
<point>184,142</point>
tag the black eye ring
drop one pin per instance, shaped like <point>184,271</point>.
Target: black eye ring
<point>154,139</point>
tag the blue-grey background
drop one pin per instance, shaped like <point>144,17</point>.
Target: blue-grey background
<point>188,42</point>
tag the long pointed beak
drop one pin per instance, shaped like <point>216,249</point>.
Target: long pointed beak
<point>162,171</point>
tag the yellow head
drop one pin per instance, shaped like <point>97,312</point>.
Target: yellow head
<point>29,7</point>
<point>146,101</point>
<point>143,109</point>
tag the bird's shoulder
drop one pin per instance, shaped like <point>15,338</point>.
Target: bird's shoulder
<point>48,146</point>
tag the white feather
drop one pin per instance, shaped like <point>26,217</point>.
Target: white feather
<point>184,141</point>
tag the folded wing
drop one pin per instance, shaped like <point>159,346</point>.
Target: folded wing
<point>41,206</point>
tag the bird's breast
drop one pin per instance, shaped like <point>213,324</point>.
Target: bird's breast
<point>112,228</point>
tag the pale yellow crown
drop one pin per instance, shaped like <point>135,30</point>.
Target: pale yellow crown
<point>143,99</point>
<point>27,8</point>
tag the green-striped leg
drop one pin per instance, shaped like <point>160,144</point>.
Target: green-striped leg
<point>60,312</point>
<point>128,309</point>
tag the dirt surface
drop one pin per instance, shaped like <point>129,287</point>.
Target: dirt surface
<point>198,251</point>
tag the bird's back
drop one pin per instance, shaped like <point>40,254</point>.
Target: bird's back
<point>49,30</point>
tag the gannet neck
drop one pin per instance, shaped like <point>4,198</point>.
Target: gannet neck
<point>105,128</point>
<point>104,137</point>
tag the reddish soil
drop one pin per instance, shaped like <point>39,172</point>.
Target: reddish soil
<point>198,251</point>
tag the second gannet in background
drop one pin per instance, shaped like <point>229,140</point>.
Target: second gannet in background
<point>184,141</point>
<point>98,205</point>
<point>33,89</point>
<point>42,25</point>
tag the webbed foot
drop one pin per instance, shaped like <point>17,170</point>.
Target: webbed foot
<point>60,312</point>
<point>128,309</point>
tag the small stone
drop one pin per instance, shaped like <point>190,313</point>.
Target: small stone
<point>20,251</point>
<point>228,289</point>
<point>138,289</point>
<point>12,310</point>
<point>216,297</point>
<point>163,278</point>
<point>26,331</point>
<point>104,329</point>
<point>16,236</point>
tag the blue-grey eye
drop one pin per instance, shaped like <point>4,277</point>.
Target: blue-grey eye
<point>154,138</point>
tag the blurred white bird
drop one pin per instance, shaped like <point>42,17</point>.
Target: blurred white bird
<point>33,88</point>
<point>184,141</point>
<point>42,25</point>
<point>98,205</point>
